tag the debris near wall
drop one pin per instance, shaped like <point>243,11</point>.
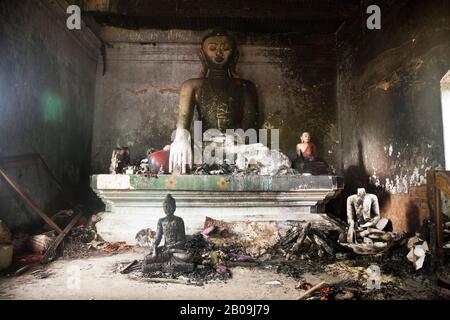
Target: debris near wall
<point>418,249</point>
<point>307,242</point>
<point>84,241</point>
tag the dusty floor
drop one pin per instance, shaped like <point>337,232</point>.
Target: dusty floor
<point>99,279</point>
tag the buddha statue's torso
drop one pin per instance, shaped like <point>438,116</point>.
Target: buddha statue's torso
<point>219,104</point>
<point>171,229</point>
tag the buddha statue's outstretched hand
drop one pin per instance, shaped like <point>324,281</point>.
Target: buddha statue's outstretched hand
<point>180,152</point>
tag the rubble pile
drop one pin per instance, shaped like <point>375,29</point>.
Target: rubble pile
<point>253,238</point>
<point>418,249</point>
<point>309,242</point>
<point>252,159</point>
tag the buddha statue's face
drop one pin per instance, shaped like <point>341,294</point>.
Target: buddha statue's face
<point>218,51</point>
<point>306,137</point>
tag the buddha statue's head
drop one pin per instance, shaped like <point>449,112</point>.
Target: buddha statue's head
<point>169,205</point>
<point>219,52</point>
<point>305,137</point>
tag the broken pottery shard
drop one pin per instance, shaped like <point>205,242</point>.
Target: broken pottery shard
<point>381,225</point>
<point>410,256</point>
<point>419,263</point>
<point>418,251</point>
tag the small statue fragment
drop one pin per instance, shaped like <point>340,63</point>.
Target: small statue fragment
<point>120,159</point>
<point>172,256</point>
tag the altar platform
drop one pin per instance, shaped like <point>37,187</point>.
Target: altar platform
<point>134,202</point>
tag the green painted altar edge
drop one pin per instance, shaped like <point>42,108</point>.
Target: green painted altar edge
<point>219,183</point>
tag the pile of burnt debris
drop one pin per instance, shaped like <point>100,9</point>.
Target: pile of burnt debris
<point>156,163</point>
<point>29,250</point>
<point>294,249</point>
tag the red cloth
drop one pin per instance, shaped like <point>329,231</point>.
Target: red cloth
<point>310,151</point>
<point>25,259</point>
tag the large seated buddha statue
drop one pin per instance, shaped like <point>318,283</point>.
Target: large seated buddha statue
<point>222,100</point>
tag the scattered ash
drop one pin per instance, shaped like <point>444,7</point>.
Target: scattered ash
<point>77,244</point>
<point>198,246</point>
<point>199,276</point>
<point>75,248</point>
<point>206,270</point>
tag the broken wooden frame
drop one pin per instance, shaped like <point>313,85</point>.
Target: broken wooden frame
<point>438,180</point>
<point>34,159</point>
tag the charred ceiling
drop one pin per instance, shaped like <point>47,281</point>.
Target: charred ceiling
<point>307,16</point>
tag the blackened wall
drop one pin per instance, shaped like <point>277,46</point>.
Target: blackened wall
<point>138,88</point>
<point>47,84</point>
<point>388,94</point>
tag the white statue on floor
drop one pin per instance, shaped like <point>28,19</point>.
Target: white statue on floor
<point>363,211</point>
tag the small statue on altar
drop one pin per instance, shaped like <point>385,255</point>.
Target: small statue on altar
<point>172,256</point>
<point>307,161</point>
<point>363,214</point>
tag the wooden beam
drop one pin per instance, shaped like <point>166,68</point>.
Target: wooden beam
<point>441,182</point>
<point>50,253</point>
<point>29,201</point>
<point>20,161</point>
<point>259,9</point>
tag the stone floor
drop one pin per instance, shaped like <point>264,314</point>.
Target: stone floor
<point>99,279</point>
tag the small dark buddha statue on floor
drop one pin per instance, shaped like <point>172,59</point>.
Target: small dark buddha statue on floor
<point>172,256</point>
<point>307,161</point>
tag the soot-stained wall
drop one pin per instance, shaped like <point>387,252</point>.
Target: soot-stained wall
<point>47,83</point>
<point>389,103</point>
<point>138,88</point>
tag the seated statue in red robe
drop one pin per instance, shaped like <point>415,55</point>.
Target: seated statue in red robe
<point>307,161</point>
